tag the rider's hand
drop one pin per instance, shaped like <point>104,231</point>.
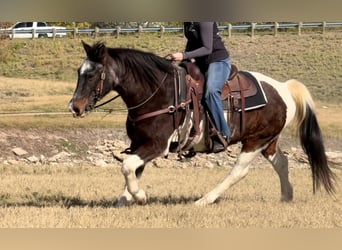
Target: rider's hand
<point>178,56</point>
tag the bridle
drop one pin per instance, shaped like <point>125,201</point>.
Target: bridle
<point>99,89</point>
<point>99,86</point>
<point>170,109</point>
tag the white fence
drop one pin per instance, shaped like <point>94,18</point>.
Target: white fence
<point>247,28</point>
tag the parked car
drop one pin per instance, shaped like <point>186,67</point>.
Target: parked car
<point>35,30</point>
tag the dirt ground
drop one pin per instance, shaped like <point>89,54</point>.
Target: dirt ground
<point>80,141</point>
<point>50,141</point>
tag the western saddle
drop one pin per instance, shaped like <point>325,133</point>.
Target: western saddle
<point>235,90</point>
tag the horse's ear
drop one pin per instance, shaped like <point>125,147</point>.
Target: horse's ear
<point>86,47</point>
<point>102,53</point>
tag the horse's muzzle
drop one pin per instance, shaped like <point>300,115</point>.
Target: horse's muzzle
<point>76,109</point>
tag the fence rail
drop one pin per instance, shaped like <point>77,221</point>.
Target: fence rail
<point>249,28</point>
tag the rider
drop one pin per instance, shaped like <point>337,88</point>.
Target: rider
<point>207,48</point>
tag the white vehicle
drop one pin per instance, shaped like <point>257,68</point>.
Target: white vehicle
<point>35,30</point>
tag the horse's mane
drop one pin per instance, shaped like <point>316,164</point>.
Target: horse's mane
<point>145,67</point>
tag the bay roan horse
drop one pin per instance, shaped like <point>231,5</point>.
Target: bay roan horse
<point>157,118</point>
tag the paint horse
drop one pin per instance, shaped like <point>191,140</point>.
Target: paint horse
<point>157,117</point>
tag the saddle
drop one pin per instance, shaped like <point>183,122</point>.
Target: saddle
<point>239,86</point>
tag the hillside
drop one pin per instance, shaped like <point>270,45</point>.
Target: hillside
<point>314,59</point>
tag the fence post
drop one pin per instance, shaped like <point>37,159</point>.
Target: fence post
<point>96,32</point>
<point>118,29</point>
<point>74,32</point>
<point>230,27</point>
<point>33,33</point>
<point>253,29</point>
<point>300,25</point>
<point>324,25</point>
<point>140,30</point>
<point>276,27</point>
<point>54,33</point>
<point>162,31</point>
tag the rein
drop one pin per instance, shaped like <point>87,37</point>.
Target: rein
<point>108,101</point>
<point>167,110</point>
<point>149,98</point>
<point>170,109</point>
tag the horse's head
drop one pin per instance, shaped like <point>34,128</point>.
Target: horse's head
<point>95,79</point>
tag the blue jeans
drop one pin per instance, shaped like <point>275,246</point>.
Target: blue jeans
<point>217,75</point>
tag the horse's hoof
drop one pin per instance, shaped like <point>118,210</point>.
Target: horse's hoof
<point>206,200</point>
<point>140,197</point>
<point>202,202</point>
<point>123,202</point>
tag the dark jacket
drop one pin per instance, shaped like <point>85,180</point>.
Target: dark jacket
<point>204,44</point>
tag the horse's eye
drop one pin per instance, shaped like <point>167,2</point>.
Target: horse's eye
<point>90,76</point>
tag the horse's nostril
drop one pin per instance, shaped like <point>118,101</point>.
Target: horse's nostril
<point>78,107</point>
<point>74,109</point>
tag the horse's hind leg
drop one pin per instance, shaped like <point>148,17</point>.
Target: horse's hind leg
<point>238,172</point>
<point>280,164</point>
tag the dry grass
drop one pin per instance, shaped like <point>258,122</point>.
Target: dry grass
<point>84,197</point>
<point>33,95</point>
<point>330,119</point>
<point>39,96</point>
<point>313,59</point>
<point>40,75</point>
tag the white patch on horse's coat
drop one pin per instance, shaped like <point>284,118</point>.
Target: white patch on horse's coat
<point>85,66</point>
<point>129,166</point>
<point>181,135</point>
<point>271,157</point>
<point>284,93</point>
<point>131,163</point>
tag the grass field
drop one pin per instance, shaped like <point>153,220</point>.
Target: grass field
<point>313,59</point>
<point>20,95</point>
<point>40,75</point>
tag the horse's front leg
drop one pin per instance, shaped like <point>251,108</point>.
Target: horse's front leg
<point>132,169</point>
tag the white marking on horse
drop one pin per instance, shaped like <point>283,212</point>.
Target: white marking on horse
<point>283,91</point>
<point>271,157</point>
<point>85,66</point>
<point>131,163</point>
<point>129,166</point>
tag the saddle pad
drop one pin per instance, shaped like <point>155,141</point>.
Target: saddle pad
<point>252,102</point>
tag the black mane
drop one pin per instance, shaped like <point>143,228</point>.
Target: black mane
<point>145,67</point>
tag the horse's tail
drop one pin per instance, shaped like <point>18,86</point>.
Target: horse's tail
<point>310,137</point>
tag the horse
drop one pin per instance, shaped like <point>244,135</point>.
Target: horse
<point>157,117</point>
